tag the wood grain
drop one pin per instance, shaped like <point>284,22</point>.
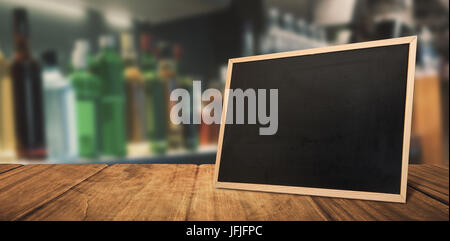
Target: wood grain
<point>25,188</point>
<point>431,180</point>
<point>7,167</point>
<point>126,192</point>
<point>209,203</point>
<point>418,206</point>
<point>186,192</point>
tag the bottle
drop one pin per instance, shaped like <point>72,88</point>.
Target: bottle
<point>188,133</point>
<point>135,92</point>
<point>167,72</point>
<point>210,135</point>
<point>156,98</point>
<point>7,135</point>
<point>27,91</point>
<point>87,93</point>
<point>59,106</point>
<point>108,66</point>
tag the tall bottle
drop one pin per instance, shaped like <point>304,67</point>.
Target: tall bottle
<point>189,131</point>
<point>156,97</point>
<point>135,92</point>
<point>167,73</point>
<point>27,89</point>
<point>59,105</point>
<point>108,66</point>
<point>87,93</point>
<point>7,135</point>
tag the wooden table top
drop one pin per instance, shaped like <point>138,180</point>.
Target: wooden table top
<point>185,192</point>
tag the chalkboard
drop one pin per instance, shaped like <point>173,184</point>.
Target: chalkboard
<point>344,121</point>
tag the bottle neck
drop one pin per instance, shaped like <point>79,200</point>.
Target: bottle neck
<point>21,46</point>
<point>80,68</point>
<point>51,68</point>
<point>108,48</point>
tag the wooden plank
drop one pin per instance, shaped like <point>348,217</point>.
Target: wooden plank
<point>126,192</point>
<point>184,192</point>
<point>431,180</point>
<point>418,206</point>
<point>26,188</point>
<point>209,203</point>
<point>8,167</point>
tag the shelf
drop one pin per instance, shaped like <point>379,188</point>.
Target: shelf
<point>203,155</point>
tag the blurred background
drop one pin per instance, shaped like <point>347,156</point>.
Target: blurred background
<point>88,81</point>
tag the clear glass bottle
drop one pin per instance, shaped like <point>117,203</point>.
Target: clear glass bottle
<point>27,89</point>
<point>59,105</point>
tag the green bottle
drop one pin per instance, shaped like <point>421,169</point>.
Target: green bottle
<point>87,92</point>
<point>156,98</point>
<point>108,66</point>
<point>189,133</point>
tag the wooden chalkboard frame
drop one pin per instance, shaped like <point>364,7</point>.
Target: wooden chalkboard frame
<point>401,198</point>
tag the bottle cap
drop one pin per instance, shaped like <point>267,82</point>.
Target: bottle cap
<point>164,50</point>
<point>127,44</point>
<point>301,26</point>
<point>50,57</point>
<point>177,51</point>
<point>146,42</point>
<point>81,45</point>
<point>274,13</point>
<point>106,41</point>
<point>79,54</point>
<point>288,21</point>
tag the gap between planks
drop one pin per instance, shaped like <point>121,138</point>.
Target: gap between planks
<point>15,181</point>
<point>431,180</point>
<point>32,210</point>
<point>190,207</point>
<point>9,167</point>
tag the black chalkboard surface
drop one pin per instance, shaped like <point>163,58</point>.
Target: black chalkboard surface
<point>344,120</point>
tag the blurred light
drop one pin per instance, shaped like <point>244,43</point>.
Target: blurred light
<point>118,19</point>
<point>334,12</point>
<point>62,8</point>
